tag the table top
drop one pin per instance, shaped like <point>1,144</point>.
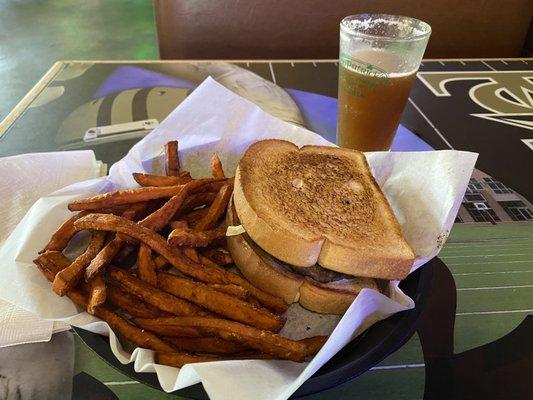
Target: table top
<point>476,105</point>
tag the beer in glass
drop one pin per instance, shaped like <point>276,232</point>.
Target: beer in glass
<point>379,57</point>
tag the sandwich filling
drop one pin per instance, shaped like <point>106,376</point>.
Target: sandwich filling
<point>318,273</point>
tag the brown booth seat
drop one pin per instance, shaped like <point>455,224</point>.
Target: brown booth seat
<point>309,29</point>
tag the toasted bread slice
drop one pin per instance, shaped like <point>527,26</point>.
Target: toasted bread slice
<point>319,205</point>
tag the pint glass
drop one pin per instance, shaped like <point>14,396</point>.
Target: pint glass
<point>379,57</point>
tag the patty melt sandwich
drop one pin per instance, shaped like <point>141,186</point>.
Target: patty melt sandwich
<point>317,227</point>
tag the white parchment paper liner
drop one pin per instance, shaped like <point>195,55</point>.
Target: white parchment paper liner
<point>425,190</point>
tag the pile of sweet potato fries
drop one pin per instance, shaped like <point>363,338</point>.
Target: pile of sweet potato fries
<point>156,270</point>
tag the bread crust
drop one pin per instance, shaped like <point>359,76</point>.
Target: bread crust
<point>380,252</point>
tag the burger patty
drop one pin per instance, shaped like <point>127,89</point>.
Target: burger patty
<point>319,273</point>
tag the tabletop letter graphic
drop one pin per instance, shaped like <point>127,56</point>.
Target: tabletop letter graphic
<point>508,95</point>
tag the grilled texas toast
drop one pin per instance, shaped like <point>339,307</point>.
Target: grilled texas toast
<point>319,204</point>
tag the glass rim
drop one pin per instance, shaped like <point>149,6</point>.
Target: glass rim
<point>423,26</point>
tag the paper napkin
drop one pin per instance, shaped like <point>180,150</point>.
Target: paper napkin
<point>23,180</point>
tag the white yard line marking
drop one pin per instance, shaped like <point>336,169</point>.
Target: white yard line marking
<point>272,72</point>
<point>449,247</point>
<point>455,254</point>
<point>495,288</point>
<point>430,123</point>
<point>528,143</point>
<point>399,366</point>
<point>492,68</point>
<point>492,273</point>
<point>497,240</point>
<point>489,255</point>
<point>492,262</point>
<point>494,312</point>
<point>450,253</point>
<point>121,383</point>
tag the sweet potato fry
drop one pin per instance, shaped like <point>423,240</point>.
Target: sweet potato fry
<point>207,262</point>
<point>114,246</point>
<point>137,336</point>
<point>188,251</point>
<point>161,217</point>
<point>217,256</point>
<point>264,341</point>
<point>216,209</point>
<point>160,180</point>
<point>191,253</point>
<point>127,196</point>
<point>146,266</point>
<point>63,235</point>
<point>189,238</point>
<point>269,301</point>
<point>216,167</point>
<point>70,276</point>
<point>172,166</point>
<point>97,292</point>
<point>54,261</point>
<point>178,360</point>
<point>50,263</point>
<point>125,250</point>
<point>206,274</point>
<point>195,216</point>
<point>232,290</point>
<point>179,224</point>
<point>152,325</point>
<point>152,295</point>
<point>131,304</point>
<point>49,275</point>
<point>117,210</point>
<point>160,262</point>
<point>212,345</point>
<point>215,185</point>
<point>314,344</point>
<point>218,302</point>
<point>196,200</point>
<point>135,210</point>
<point>103,258</point>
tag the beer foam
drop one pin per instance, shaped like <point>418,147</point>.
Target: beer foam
<point>402,28</point>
